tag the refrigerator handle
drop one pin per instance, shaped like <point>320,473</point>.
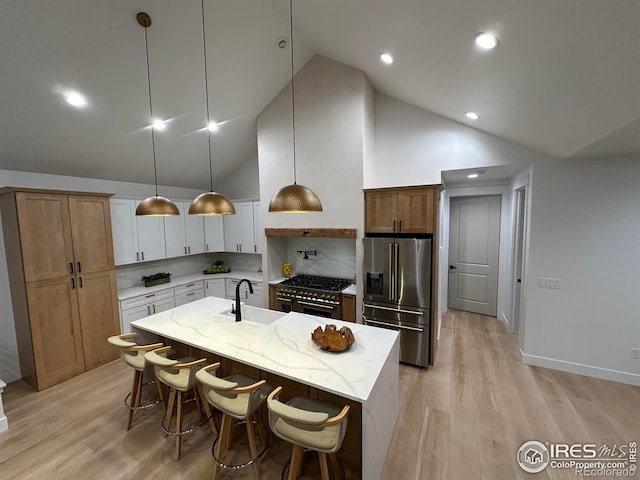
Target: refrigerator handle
<point>392,288</point>
<point>396,259</point>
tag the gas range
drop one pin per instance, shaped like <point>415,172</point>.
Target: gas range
<point>312,295</point>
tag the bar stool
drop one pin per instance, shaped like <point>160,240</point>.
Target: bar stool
<point>237,397</point>
<point>308,424</point>
<point>180,378</point>
<point>133,355</point>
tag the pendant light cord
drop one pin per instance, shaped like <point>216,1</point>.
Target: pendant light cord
<point>293,94</point>
<point>153,138</point>
<point>206,92</point>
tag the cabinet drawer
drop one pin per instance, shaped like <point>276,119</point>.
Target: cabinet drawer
<point>188,287</point>
<point>188,297</point>
<point>148,298</point>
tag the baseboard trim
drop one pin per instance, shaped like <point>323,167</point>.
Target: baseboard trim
<point>581,369</point>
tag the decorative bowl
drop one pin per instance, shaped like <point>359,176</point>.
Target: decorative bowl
<point>333,339</point>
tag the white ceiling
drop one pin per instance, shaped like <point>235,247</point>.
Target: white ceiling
<point>565,79</point>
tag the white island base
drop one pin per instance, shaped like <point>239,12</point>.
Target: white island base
<point>278,347</point>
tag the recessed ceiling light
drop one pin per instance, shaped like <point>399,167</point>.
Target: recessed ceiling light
<point>159,125</point>
<point>472,115</point>
<point>487,41</point>
<point>75,99</point>
<point>213,127</point>
<point>386,58</point>
<point>472,175</point>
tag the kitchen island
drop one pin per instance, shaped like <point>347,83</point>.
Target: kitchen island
<point>279,346</point>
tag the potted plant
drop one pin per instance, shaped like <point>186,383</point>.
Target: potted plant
<point>156,279</point>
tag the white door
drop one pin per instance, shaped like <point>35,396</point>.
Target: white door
<point>474,240</point>
<point>151,238</point>
<point>174,233</point>
<point>123,227</point>
<point>194,230</point>
<point>244,211</point>
<point>232,231</point>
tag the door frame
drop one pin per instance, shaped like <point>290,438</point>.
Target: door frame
<point>504,252</point>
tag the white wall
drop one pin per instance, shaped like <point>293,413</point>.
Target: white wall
<point>413,146</point>
<point>585,231</point>
<point>242,183</point>
<point>9,365</point>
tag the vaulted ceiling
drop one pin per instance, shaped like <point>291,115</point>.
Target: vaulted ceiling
<point>565,79</point>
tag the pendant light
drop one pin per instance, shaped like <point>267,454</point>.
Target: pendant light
<point>294,198</point>
<point>209,203</point>
<point>155,206</point>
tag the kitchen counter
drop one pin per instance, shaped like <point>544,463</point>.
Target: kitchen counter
<point>131,292</point>
<point>367,372</point>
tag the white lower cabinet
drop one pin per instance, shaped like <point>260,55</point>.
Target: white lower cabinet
<point>189,292</point>
<point>254,298</point>
<point>144,305</point>
<point>215,287</point>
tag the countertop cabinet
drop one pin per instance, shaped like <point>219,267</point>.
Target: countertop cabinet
<point>214,233</point>
<point>401,210</point>
<point>215,287</point>
<point>144,305</point>
<point>135,239</point>
<point>62,277</point>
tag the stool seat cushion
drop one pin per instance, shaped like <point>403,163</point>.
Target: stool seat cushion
<point>237,405</point>
<point>295,422</point>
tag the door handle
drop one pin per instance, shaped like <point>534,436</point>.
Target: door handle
<point>206,247</point>
<point>391,286</point>
<point>398,310</point>
<point>189,248</point>
<point>394,225</point>
<point>73,283</point>
<point>519,280</point>
<point>185,250</point>
<point>400,226</point>
<point>143,256</point>
<point>79,268</point>
<point>391,325</point>
<point>71,268</point>
<point>396,258</point>
<point>137,256</point>
<point>452,267</point>
<point>315,305</point>
<point>80,281</point>
<point>148,310</point>
<point>154,308</point>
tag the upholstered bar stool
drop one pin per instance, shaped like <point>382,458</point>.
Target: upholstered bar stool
<point>237,397</point>
<point>180,378</point>
<point>133,355</point>
<point>308,424</point>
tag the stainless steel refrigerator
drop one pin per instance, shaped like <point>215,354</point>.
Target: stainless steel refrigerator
<point>397,292</point>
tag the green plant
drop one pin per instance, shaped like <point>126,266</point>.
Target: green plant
<point>155,276</point>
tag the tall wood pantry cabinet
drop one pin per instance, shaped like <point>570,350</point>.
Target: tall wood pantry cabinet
<point>63,287</point>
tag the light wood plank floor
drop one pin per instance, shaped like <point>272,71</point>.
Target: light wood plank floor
<point>465,418</point>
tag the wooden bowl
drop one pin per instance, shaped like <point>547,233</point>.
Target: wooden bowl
<point>333,339</point>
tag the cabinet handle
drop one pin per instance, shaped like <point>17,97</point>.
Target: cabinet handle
<point>394,225</point>
<point>206,247</point>
<point>79,268</point>
<point>189,248</point>
<point>400,226</point>
<point>71,268</point>
<point>73,283</point>
<point>189,285</point>
<point>137,256</point>
<point>185,250</point>
<point>255,249</point>
<point>143,256</point>
<point>154,308</point>
<point>191,293</point>
<point>80,281</point>
<point>148,310</point>
<point>150,295</point>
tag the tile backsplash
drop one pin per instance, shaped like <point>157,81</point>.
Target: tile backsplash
<point>335,257</point>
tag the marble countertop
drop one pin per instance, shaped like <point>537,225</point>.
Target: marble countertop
<point>283,347</point>
<point>126,293</point>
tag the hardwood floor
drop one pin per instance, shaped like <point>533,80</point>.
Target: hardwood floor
<point>465,418</point>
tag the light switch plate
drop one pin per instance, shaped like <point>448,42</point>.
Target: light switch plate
<point>549,283</point>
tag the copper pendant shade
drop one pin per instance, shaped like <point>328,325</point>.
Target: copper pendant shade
<point>155,206</point>
<point>294,198</point>
<point>209,203</point>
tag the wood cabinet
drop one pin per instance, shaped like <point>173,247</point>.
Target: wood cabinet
<point>135,239</point>
<point>401,210</point>
<point>348,307</point>
<point>61,270</point>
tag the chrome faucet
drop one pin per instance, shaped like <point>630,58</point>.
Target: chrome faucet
<point>238,311</point>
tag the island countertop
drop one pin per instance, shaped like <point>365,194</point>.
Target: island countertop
<point>280,343</point>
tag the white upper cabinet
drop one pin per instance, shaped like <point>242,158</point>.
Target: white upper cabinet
<point>135,239</point>
<point>214,233</point>
<point>184,233</point>
<point>257,226</point>
<point>239,229</point>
